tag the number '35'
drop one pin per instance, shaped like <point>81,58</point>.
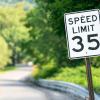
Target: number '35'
<point>90,39</point>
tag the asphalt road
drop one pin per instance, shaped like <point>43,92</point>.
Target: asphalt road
<point>13,87</point>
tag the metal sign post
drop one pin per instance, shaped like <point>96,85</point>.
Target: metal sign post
<point>89,79</point>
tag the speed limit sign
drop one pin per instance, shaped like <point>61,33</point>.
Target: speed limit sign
<point>83,33</point>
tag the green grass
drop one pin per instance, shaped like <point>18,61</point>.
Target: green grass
<point>8,68</point>
<point>78,76</point>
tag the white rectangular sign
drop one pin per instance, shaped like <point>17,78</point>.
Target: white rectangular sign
<point>83,33</point>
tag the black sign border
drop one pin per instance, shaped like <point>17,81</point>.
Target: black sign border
<point>66,30</point>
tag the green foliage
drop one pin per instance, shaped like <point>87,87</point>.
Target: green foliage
<point>67,74</point>
<point>78,76</point>
<point>13,30</point>
<point>96,61</point>
<point>4,53</point>
<point>7,68</point>
<point>47,70</point>
<point>36,71</point>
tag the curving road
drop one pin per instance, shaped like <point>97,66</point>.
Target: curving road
<point>13,87</point>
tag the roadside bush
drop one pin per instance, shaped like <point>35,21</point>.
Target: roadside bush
<point>48,71</point>
<point>96,61</point>
<point>45,70</point>
<point>78,76</point>
<point>36,71</point>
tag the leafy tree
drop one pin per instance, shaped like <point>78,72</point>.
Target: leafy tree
<point>12,29</point>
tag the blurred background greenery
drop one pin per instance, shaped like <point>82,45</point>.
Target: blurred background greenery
<point>33,30</point>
